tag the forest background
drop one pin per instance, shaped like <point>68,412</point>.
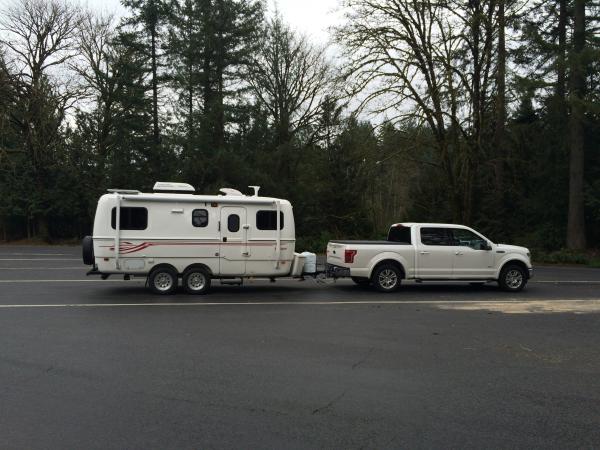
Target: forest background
<point>481,112</point>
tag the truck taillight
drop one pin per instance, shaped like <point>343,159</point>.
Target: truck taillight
<point>349,255</point>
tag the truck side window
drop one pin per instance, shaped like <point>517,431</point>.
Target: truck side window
<point>267,220</point>
<point>200,217</point>
<point>435,236</point>
<point>233,223</point>
<point>467,238</point>
<point>131,218</point>
<point>399,234</point>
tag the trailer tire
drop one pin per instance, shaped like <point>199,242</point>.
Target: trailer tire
<point>87,250</point>
<point>163,280</point>
<point>196,281</point>
<point>361,281</point>
<point>387,278</point>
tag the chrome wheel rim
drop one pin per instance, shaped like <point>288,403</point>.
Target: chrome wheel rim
<point>196,281</point>
<point>163,281</point>
<point>514,278</point>
<point>388,279</point>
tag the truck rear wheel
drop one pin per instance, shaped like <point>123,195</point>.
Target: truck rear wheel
<point>387,278</point>
<point>163,281</point>
<point>196,281</point>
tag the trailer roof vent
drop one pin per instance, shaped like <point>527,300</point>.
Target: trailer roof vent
<point>229,191</point>
<point>166,186</point>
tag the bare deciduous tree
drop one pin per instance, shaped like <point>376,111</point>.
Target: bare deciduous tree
<point>426,62</point>
<point>40,36</point>
<point>290,77</point>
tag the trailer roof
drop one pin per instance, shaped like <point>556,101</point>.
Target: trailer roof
<point>193,198</point>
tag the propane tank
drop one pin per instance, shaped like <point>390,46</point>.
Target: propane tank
<point>310,262</point>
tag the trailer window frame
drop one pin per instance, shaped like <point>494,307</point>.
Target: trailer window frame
<point>233,227</point>
<point>200,213</point>
<point>266,220</point>
<point>128,220</point>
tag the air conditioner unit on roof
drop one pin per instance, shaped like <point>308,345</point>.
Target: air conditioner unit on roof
<point>161,186</point>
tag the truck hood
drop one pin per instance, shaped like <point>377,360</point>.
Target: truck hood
<point>513,249</point>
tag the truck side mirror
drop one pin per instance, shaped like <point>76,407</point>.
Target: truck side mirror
<point>487,246</point>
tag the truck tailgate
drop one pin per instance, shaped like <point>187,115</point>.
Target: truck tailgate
<point>335,253</point>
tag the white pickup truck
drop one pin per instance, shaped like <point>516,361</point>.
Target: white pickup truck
<point>430,252</point>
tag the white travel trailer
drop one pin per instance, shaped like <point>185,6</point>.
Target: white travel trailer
<point>174,233</point>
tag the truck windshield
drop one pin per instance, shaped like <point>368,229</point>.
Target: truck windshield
<point>399,234</point>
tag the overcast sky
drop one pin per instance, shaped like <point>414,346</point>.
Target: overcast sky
<point>311,17</point>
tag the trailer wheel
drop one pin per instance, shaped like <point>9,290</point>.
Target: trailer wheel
<point>361,281</point>
<point>163,281</point>
<point>387,278</point>
<point>196,281</point>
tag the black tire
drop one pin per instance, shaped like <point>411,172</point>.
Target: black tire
<point>163,281</point>
<point>87,250</point>
<point>513,278</point>
<point>361,281</point>
<point>196,281</point>
<point>387,278</point>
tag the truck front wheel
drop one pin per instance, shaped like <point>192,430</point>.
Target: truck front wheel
<point>512,278</point>
<point>387,278</point>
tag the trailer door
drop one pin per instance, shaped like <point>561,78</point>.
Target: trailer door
<point>234,241</point>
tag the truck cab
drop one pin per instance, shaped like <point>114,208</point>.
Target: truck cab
<point>430,252</point>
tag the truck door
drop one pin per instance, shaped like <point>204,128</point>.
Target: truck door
<point>435,253</point>
<point>471,258</point>
<point>233,247</point>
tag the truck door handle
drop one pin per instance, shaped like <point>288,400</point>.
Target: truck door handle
<point>424,253</point>
<point>224,239</point>
<point>458,253</point>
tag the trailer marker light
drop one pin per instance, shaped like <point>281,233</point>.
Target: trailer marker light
<point>349,255</point>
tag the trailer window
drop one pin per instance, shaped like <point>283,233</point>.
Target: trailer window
<point>267,220</point>
<point>436,236</point>
<point>200,217</point>
<point>233,223</point>
<point>132,218</point>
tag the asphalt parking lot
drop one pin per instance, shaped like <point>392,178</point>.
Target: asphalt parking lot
<point>87,363</point>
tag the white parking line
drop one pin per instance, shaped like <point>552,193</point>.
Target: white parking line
<point>508,303</point>
<point>87,280</point>
<point>98,280</point>
<point>567,281</point>
<point>40,259</point>
<point>43,268</point>
<point>36,254</point>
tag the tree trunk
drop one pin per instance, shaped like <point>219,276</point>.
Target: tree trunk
<point>576,218</point>
<point>155,131</point>
<point>43,231</point>
<point>500,105</point>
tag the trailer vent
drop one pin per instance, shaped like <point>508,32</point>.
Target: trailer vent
<point>229,191</point>
<point>166,186</point>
